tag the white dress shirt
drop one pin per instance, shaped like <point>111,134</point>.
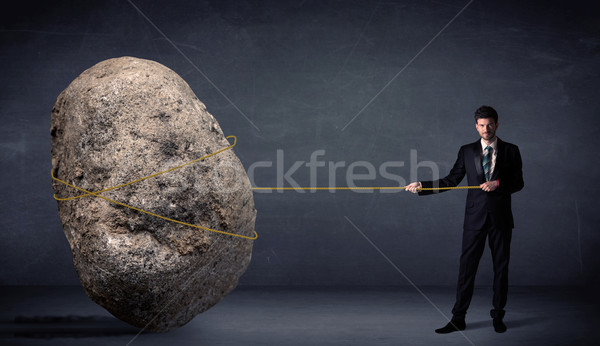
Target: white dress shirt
<point>494,146</point>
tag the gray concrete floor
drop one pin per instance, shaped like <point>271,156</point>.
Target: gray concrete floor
<point>309,316</point>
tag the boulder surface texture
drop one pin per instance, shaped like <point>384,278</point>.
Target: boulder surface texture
<point>128,118</point>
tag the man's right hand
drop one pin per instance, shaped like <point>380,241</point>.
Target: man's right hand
<point>413,187</point>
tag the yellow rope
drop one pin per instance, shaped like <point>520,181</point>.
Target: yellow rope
<point>367,188</point>
<point>96,194</point>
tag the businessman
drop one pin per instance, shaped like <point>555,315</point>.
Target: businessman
<point>495,166</point>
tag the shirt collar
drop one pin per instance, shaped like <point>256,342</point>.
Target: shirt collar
<point>494,144</point>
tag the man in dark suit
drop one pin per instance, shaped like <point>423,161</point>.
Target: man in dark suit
<point>495,166</point>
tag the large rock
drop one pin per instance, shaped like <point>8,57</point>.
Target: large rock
<point>128,118</point>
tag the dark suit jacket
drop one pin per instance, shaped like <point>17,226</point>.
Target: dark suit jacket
<point>479,203</point>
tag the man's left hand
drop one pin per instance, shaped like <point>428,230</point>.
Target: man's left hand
<point>489,186</point>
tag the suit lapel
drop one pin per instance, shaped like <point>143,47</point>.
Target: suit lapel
<point>477,160</point>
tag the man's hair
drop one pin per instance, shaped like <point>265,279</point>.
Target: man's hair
<point>485,112</point>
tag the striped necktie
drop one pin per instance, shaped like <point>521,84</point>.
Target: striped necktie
<point>487,162</point>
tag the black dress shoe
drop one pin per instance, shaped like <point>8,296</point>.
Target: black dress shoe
<point>499,326</point>
<point>452,326</point>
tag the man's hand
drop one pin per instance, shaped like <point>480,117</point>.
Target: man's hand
<point>413,187</point>
<point>490,186</point>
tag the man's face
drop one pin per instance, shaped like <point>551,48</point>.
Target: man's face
<point>486,128</point>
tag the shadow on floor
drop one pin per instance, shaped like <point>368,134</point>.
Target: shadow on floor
<point>523,322</point>
<point>71,326</point>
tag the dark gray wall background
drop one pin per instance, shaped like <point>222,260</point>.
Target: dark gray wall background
<point>300,71</point>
